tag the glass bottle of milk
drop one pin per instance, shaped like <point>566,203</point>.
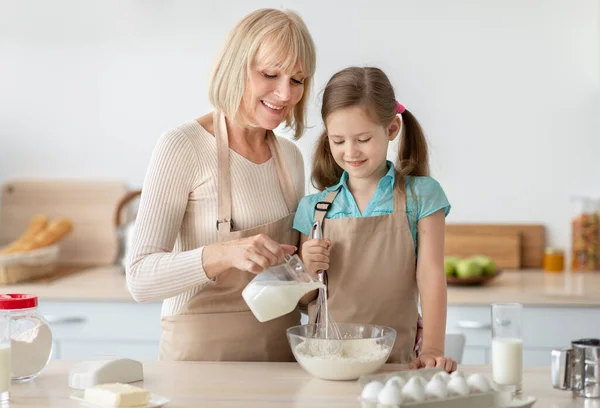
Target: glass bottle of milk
<point>277,290</point>
<point>5,318</point>
<point>507,346</point>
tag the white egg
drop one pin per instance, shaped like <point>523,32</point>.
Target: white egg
<point>414,390</point>
<point>457,374</point>
<point>371,390</point>
<point>399,381</point>
<point>458,386</point>
<point>419,379</point>
<point>390,395</point>
<point>436,388</point>
<point>478,383</point>
<point>442,375</point>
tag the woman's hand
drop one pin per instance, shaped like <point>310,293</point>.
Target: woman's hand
<point>252,254</point>
<point>430,359</point>
<point>315,255</point>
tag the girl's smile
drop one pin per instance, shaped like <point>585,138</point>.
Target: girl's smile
<point>356,163</point>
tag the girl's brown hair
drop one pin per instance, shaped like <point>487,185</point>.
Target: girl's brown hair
<point>371,89</point>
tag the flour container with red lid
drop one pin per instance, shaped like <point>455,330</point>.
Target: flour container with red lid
<point>31,336</point>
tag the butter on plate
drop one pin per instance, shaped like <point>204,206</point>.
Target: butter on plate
<point>116,395</point>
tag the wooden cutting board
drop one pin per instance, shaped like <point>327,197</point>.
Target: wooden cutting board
<point>89,204</point>
<point>504,248</point>
<point>533,238</point>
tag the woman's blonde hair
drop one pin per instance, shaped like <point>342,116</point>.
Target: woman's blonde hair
<point>278,38</point>
<point>369,88</point>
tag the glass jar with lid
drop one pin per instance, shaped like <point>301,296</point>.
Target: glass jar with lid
<point>31,336</point>
<point>585,235</point>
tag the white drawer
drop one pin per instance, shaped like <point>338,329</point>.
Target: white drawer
<point>473,322</point>
<point>103,320</point>
<point>543,327</point>
<point>473,355</point>
<point>82,350</point>
<point>557,327</point>
<point>536,357</point>
<point>55,351</point>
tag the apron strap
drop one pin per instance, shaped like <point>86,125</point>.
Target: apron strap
<point>322,207</point>
<point>400,194</point>
<point>285,179</point>
<point>224,221</point>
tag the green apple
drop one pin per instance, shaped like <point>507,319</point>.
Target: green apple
<point>487,264</point>
<point>468,268</point>
<point>450,265</point>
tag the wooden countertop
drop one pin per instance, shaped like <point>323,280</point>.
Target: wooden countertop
<point>530,287</point>
<point>196,384</point>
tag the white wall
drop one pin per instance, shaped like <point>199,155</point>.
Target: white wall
<point>508,90</point>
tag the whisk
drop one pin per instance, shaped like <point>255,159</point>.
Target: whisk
<point>323,324</point>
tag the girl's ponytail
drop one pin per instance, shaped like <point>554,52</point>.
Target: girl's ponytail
<point>413,158</point>
<point>325,171</point>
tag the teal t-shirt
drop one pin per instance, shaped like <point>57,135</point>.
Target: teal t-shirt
<point>424,196</point>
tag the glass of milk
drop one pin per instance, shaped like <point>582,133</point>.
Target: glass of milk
<point>4,357</point>
<point>507,346</point>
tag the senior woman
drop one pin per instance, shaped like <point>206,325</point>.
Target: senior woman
<point>220,194</point>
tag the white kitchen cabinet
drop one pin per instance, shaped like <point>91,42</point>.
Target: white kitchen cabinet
<point>84,329</point>
<point>473,355</point>
<point>544,328</point>
<point>84,349</point>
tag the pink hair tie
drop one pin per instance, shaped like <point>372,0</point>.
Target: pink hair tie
<point>400,108</point>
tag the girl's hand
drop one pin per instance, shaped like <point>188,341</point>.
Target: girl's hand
<point>315,255</point>
<point>430,359</point>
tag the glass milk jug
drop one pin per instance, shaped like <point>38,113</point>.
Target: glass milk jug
<point>277,290</point>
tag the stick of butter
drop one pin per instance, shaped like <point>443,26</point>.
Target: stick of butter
<point>116,395</point>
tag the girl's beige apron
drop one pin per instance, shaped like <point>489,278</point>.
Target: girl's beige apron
<point>372,273</point>
<point>216,324</point>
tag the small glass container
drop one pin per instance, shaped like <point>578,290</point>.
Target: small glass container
<point>4,357</point>
<point>554,260</point>
<point>30,334</point>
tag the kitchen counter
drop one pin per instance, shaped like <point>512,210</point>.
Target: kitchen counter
<point>533,288</point>
<point>105,283</point>
<point>195,384</point>
<point>530,287</point>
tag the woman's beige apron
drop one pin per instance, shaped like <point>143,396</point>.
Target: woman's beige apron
<point>216,324</point>
<point>372,272</point>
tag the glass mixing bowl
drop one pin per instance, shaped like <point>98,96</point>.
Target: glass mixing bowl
<point>363,349</point>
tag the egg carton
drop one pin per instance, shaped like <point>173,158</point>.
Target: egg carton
<point>490,399</point>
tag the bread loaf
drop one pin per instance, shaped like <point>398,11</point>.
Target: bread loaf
<point>37,224</point>
<point>55,231</point>
<point>37,237</point>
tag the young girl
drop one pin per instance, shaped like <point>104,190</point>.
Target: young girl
<point>383,224</point>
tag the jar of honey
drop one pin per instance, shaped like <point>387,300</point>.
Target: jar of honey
<point>554,260</point>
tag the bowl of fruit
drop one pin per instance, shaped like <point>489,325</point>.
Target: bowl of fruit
<point>473,270</point>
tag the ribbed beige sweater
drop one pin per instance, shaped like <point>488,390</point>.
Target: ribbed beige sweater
<point>165,259</point>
